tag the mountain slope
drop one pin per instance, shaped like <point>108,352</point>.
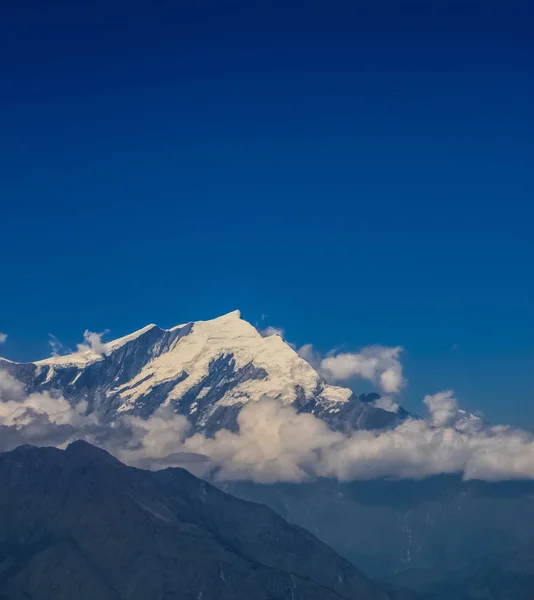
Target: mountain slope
<point>207,370</point>
<point>507,576</point>
<point>385,527</point>
<point>78,523</point>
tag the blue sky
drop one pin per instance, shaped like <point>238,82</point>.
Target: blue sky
<point>359,174</point>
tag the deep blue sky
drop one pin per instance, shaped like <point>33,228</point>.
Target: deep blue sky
<point>361,172</point>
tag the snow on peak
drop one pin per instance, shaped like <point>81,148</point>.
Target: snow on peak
<point>113,345</point>
<point>232,336</point>
<point>76,359</point>
<point>86,355</point>
<point>189,360</point>
<point>235,314</point>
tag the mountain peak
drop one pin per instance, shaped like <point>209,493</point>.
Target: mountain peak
<point>85,451</point>
<point>235,314</point>
<point>83,446</point>
<point>205,370</point>
<point>117,532</point>
<point>114,344</point>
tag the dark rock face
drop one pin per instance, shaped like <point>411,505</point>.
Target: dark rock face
<point>79,524</point>
<point>222,376</point>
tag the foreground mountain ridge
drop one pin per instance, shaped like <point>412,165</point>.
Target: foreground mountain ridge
<point>79,524</point>
<point>206,370</point>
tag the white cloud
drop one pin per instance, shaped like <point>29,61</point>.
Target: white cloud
<point>11,389</point>
<point>416,449</point>
<point>156,438</point>
<point>3,337</point>
<point>37,418</point>
<point>442,408</point>
<point>378,364</point>
<point>387,403</point>
<point>57,410</point>
<point>274,443</point>
<point>93,343</point>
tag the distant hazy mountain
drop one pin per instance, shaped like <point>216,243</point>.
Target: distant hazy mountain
<point>507,576</point>
<point>79,524</point>
<point>432,526</point>
<point>207,370</point>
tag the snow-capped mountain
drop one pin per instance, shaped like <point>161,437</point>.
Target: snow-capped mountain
<point>206,370</point>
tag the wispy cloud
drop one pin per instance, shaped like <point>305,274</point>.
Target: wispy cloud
<point>270,330</point>
<point>58,348</point>
<point>387,403</point>
<point>276,443</point>
<point>310,355</point>
<point>3,337</point>
<point>93,343</point>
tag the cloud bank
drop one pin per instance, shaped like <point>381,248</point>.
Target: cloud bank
<point>276,443</point>
<point>38,418</point>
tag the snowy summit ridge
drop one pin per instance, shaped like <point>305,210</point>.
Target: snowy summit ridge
<point>205,370</point>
